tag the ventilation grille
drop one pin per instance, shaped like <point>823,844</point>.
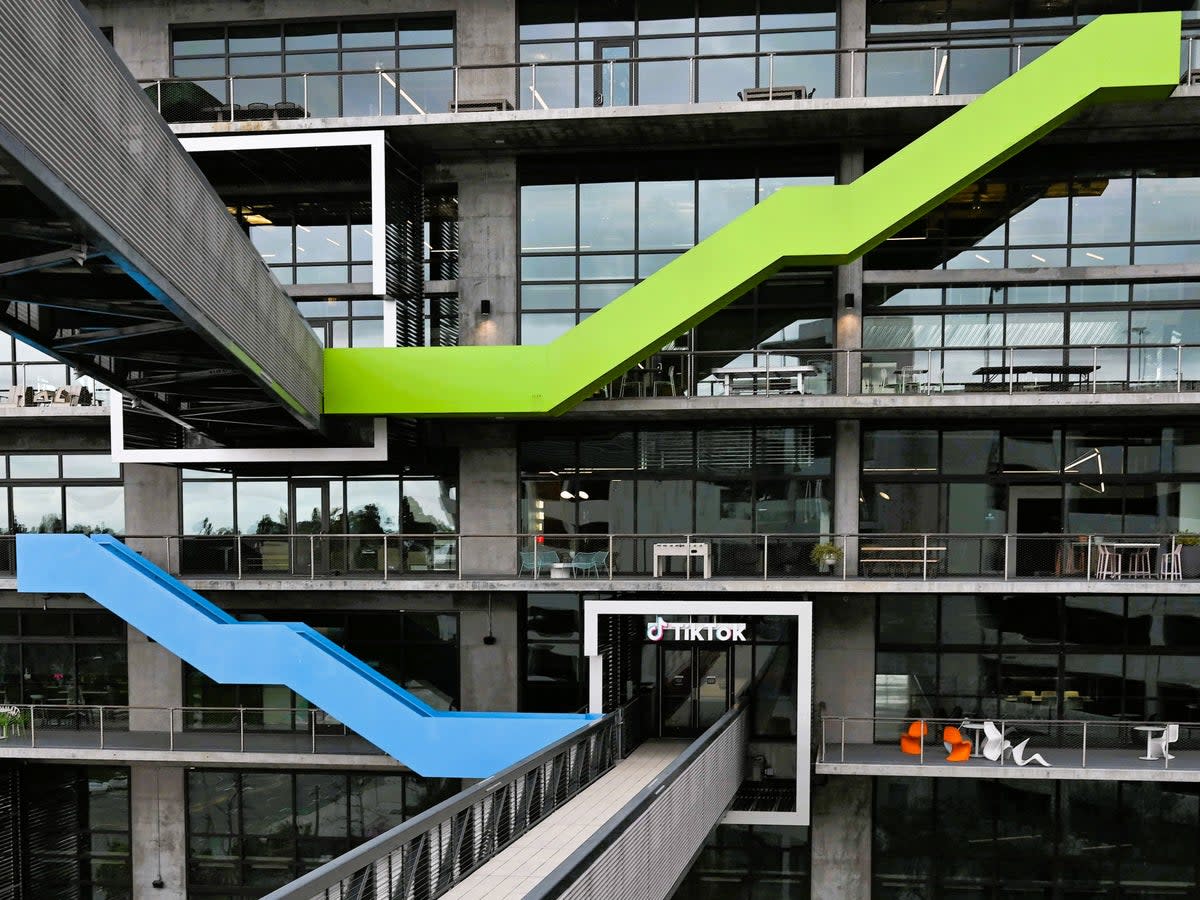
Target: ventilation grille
<point>67,104</point>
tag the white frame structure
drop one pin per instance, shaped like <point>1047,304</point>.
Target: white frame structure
<point>376,451</point>
<point>374,141</point>
<point>802,610</point>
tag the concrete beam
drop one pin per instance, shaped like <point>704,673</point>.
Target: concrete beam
<point>158,832</point>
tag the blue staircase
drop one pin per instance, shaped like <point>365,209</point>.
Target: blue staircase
<point>432,743</point>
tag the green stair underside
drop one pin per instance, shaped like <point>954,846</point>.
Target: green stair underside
<point>1116,58</point>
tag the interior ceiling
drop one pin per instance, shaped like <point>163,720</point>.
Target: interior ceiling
<point>65,296</point>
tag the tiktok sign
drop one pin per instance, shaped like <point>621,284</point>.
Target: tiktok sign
<point>695,631</point>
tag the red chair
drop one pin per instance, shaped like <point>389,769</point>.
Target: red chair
<point>956,745</point>
<point>911,740</point>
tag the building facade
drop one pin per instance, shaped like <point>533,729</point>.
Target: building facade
<point>845,461</point>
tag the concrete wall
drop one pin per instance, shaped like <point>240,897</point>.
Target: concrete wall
<point>155,680</point>
<point>841,838</point>
<point>487,262</point>
<point>158,811</point>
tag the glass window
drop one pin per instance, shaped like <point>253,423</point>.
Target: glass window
<point>666,214</point>
<point>548,217</point>
<point>30,466</point>
<point>95,509</point>
<point>37,510</point>
<point>208,507</point>
<point>262,507</point>
<point>1167,209</point>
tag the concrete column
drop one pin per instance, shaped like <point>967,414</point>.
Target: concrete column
<point>847,486</point>
<point>487,261</point>
<point>852,34</point>
<point>158,812</point>
<point>156,682</point>
<point>849,303</point>
<point>152,512</point>
<point>841,838</point>
<point>487,35</point>
<point>489,671</point>
<point>843,685</point>
<point>488,495</point>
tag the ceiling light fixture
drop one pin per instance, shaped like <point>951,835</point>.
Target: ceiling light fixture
<point>1094,256</point>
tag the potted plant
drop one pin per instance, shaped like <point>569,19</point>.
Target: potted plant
<point>1189,556</point>
<point>9,716</point>
<point>825,556</point>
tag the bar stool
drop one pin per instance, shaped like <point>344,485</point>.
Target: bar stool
<point>1139,564</point>
<point>1108,561</point>
<point>1170,565</point>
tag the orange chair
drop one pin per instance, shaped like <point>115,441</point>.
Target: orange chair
<point>956,745</point>
<point>910,742</point>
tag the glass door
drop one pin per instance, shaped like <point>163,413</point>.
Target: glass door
<point>612,77</point>
<point>694,688</point>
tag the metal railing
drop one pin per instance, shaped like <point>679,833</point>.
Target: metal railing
<point>953,370</point>
<point>685,801</point>
<point>928,69</point>
<point>1098,743</point>
<point>427,855</point>
<point>680,556</point>
<point>198,728</point>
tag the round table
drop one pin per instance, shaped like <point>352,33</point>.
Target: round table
<point>976,743</point>
<point>1149,729</point>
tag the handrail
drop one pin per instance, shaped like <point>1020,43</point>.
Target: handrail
<point>557,882</point>
<point>360,860</point>
<point>571,558</point>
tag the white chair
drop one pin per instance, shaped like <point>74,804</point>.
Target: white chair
<point>1170,565</point>
<point>1139,565</point>
<point>1108,561</point>
<point>1157,745</point>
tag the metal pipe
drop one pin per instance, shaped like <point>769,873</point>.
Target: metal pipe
<point>171,727</point>
<point>231,104</point>
<point>456,88</point>
<point>238,541</point>
<point>242,729</point>
<point>101,717</point>
<point>764,557</point>
<point>1083,763</point>
<point>770,76</point>
<point>1179,368</point>
<point>1095,367</point>
<point>32,726</point>
<point>843,738</point>
<point>304,80</point>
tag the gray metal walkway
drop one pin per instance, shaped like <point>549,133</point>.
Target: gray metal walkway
<point>116,255</point>
<point>533,857</point>
<point>581,819</point>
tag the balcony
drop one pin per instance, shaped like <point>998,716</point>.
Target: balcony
<point>1141,377</point>
<point>896,70</point>
<point>201,735</point>
<point>1129,563</point>
<point>1084,748</point>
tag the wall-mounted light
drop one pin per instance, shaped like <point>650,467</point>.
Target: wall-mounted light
<point>485,308</point>
<point>849,298</point>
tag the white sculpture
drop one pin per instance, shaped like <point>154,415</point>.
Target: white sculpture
<point>995,745</point>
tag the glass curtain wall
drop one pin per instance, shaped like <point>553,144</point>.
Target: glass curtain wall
<point>289,70</point>
<point>673,51</point>
<point>345,322</point>
<point>43,493</point>
<point>417,650</point>
<point>552,678</point>
<point>750,862</point>
<point>69,832</point>
<point>586,238</point>
<point>948,838</point>
<point>1074,479</point>
<point>312,242</point>
<point>63,657</point>
<point>22,366</point>
<point>251,832</point>
<point>337,523</point>
<point>956,47</point>
<point>1103,659</point>
<point>1067,336</point>
<point>1024,218</point>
